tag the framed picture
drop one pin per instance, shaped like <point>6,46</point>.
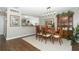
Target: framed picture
<point>14,21</point>
<point>24,22</point>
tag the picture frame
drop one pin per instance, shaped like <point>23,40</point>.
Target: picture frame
<point>24,22</point>
<point>14,21</point>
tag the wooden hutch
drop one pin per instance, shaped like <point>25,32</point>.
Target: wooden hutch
<point>65,21</point>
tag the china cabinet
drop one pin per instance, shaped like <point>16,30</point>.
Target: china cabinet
<point>65,21</point>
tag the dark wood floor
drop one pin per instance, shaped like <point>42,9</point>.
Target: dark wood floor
<point>2,43</point>
<point>75,47</point>
<point>16,45</point>
<point>21,45</point>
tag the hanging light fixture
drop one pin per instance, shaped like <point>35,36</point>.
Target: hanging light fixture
<point>49,15</point>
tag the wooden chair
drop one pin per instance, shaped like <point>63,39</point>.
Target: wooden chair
<point>46,35</point>
<point>38,32</point>
<point>57,36</point>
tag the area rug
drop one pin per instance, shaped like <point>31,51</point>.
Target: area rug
<point>49,46</point>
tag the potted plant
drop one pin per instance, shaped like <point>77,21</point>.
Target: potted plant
<point>64,14</point>
<point>58,15</point>
<point>53,25</point>
<point>77,34</point>
<point>70,13</point>
<point>77,28</point>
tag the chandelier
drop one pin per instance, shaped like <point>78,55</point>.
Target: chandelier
<point>49,14</point>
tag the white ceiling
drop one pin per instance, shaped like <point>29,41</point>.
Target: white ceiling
<point>38,11</point>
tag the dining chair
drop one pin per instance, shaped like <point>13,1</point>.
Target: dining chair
<point>57,36</point>
<point>38,32</point>
<point>46,35</point>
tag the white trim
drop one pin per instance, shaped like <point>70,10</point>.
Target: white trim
<point>19,36</point>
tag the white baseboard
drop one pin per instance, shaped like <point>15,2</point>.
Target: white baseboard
<point>19,36</point>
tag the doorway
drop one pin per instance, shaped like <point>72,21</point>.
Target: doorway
<point>1,25</point>
<point>3,29</point>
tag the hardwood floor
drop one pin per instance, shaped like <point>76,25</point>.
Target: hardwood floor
<point>2,43</point>
<point>20,45</point>
<point>15,45</point>
<point>75,47</point>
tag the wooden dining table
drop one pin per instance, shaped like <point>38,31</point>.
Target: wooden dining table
<point>55,35</point>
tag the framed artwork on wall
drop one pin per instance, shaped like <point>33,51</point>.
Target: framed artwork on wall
<point>24,22</point>
<point>14,21</point>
